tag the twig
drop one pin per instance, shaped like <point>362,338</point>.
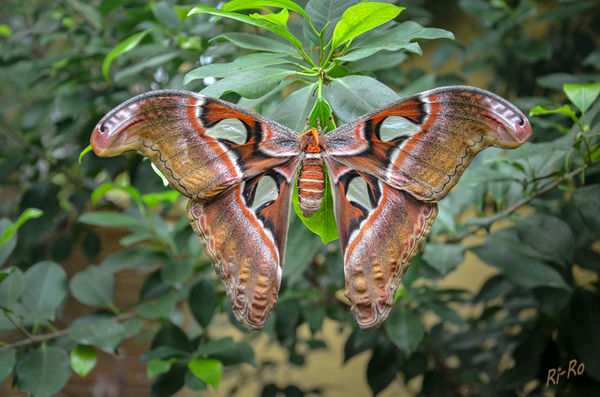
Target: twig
<point>53,335</point>
<point>485,222</point>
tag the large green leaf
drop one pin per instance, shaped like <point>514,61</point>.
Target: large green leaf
<point>582,95</point>
<point>502,251</point>
<point>43,371</point>
<point>111,219</point>
<point>548,235</point>
<point>227,351</point>
<point>46,289</point>
<point>207,369</point>
<point>83,359</point>
<point>157,367</point>
<point>7,362</point>
<point>99,331</point>
<point>7,248</point>
<point>236,5</point>
<point>161,308</point>
<point>327,13</point>
<point>353,96</point>
<point>400,37</point>
<point>239,65</point>
<point>443,257</point>
<point>587,204</point>
<point>132,258</point>
<point>584,320</point>
<point>250,84</point>
<point>11,287</point>
<point>294,109</point>
<point>249,20</point>
<point>9,232</point>
<point>361,18</point>
<point>255,42</point>
<point>126,45</point>
<point>93,286</point>
<point>302,245</point>
<point>203,301</point>
<point>382,368</point>
<point>405,329</point>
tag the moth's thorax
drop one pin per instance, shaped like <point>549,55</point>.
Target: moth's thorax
<point>311,180</point>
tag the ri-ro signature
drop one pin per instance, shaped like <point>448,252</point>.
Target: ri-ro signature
<point>574,369</point>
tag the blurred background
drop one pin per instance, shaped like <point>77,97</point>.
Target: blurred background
<point>506,290</point>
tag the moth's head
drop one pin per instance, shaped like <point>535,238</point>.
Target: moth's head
<point>115,132</point>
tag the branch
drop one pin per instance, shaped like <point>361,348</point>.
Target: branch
<point>481,223</point>
<point>53,335</point>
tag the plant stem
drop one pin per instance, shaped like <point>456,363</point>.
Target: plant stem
<point>57,334</point>
<point>481,223</point>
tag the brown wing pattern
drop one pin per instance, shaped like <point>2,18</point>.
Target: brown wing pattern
<point>422,144</point>
<point>381,229</point>
<point>201,144</point>
<point>244,232</point>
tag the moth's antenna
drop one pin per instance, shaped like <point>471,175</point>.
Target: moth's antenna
<point>307,124</point>
<point>327,125</point>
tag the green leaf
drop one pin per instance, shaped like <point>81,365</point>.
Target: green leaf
<point>548,235</point>
<point>249,20</point>
<point>582,95</point>
<point>172,336</point>
<point>236,5</point>
<point>161,308</point>
<point>293,109</point>
<point>207,369</point>
<point>93,286</point>
<point>43,371</point>
<point>5,30</point>
<point>203,301</point>
<point>157,367</point>
<point>382,368</point>
<point>106,187</point>
<point>443,257</point>
<point>400,37</point>
<point>126,45</point>
<point>29,213</point>
<point>89,12</point>
<point>152,199</point>
<point>132,258</point>
<point>7,362</point>
<point>361,18</point>
<point>241,64</point>
<point>7,248</point>
<point>279,18</point>
<point>227,351</point>
<point>164,12</point>
<point>99,331</point>
<point>502,250</point>
<point>353,96</point>
<point>111,219</point>
<point>46,288</point>
<point>565,109</point>
<point>11,287</point>
<point>586,201</point>
<point>405,330</point>
<point>83,359</point>
<point>302,245</point>
<point>255,42</point>
<point>584,319</point>
<point>250,84</point>
<point>87,149</point>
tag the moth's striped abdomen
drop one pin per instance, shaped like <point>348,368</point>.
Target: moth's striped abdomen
<point>311,183</point>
